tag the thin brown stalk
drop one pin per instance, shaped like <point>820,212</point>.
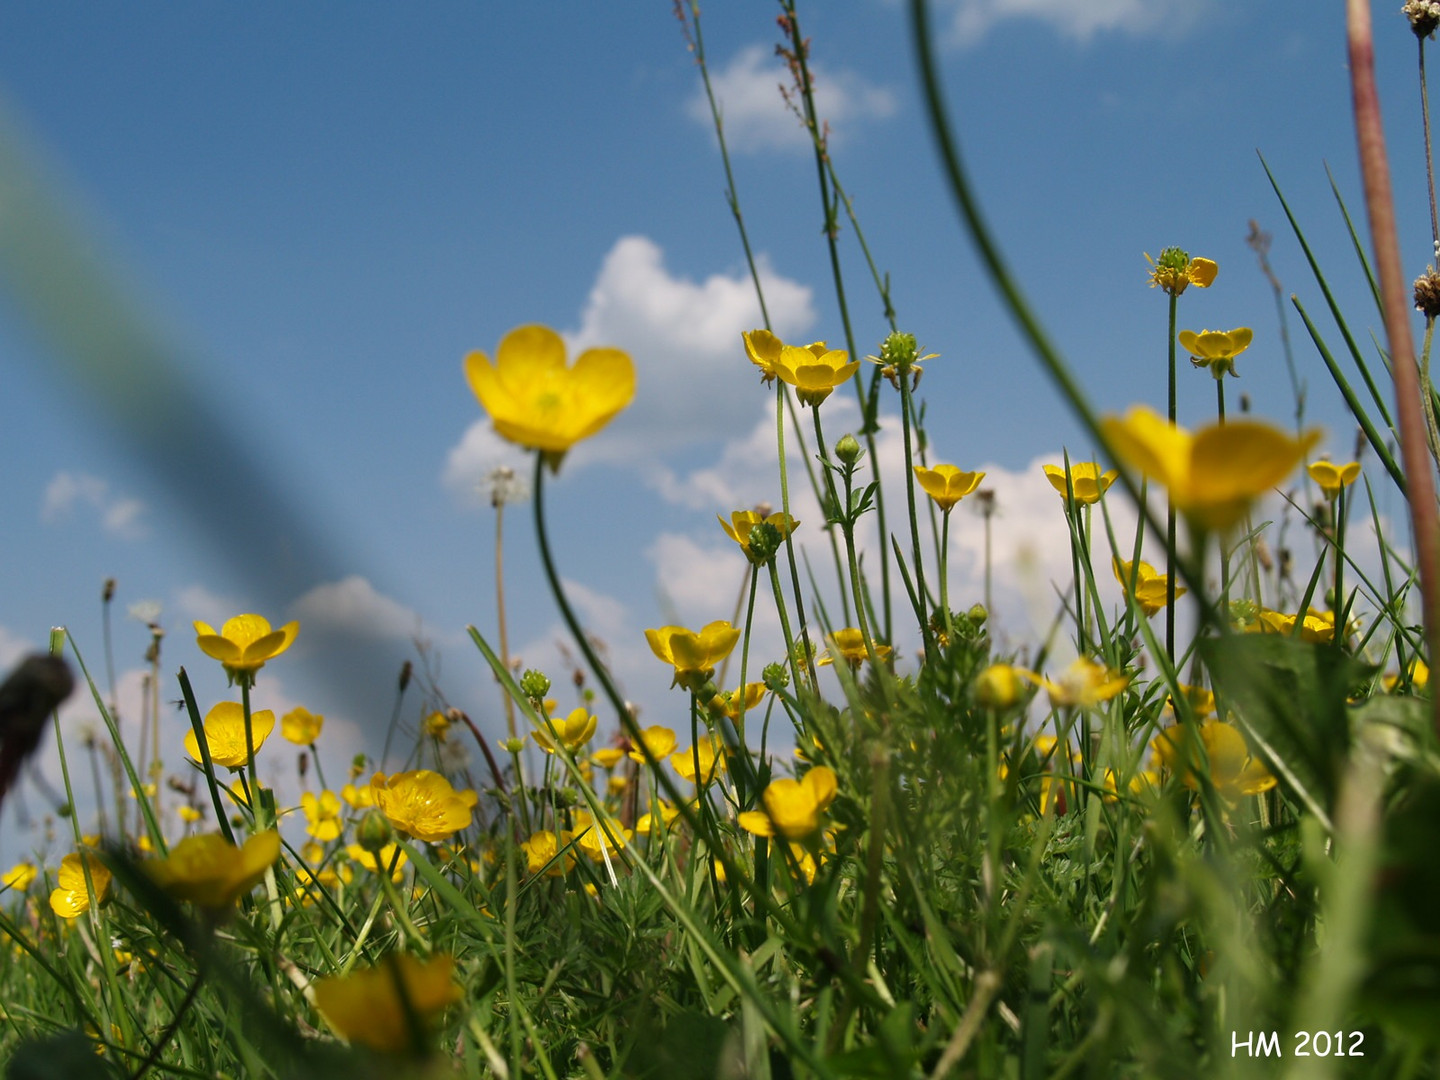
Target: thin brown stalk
<point>1380,208</point>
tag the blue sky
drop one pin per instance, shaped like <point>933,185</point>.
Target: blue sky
<point>320,209</point>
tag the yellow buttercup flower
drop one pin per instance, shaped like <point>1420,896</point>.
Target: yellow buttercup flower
<point>574,731</point>
<point>244,643</point>
<point>1000,686</point>
<point>693,655</point>
<point>763,348</point>
<point>849,643</point>
<point>1083,684</point>
<point>711,752</point>
<point>1151,586</point>
<point>742,522</point>
<point>301,726</point>
<point>423,804</point>
<point>359,798</point>
<point>1086,479</point>
<point>1176,270</point>
<point>390,858</point>
<point>1233,771</point>
<point>71,899</point>
<point>607,757</point>
<point>590,837</point>
<point>1216,349</point>
<point>793,808</point>
<point>225,734</point>
<point>1214,474</point>
<point>947,484</point>
<point>322,815</point>
<point>211,872</point>
<point>541,852</point>
<point>20,876</point>
<point>535,400</point>
<point>1332,478</point>
<point>1316,626</point>
<point>751,694</point>
<point>647,822</point>
<point>660,741</point>
<point>814,370</point>
<point>378,1006</point>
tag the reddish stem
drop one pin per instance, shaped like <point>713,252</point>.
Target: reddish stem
<point>1395,302</point>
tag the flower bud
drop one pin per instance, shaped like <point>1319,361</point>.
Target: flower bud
<point>763,542</point>
<point>848,450</point>
<point>374,831</point>
<point>775,677</point>
<point>535,684</point>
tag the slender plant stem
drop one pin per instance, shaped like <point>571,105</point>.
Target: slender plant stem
<point>1170,508</point>
<point>1429,158</point>
<point>1379,203</point>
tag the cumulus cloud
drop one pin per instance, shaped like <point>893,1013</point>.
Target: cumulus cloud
<point>353,606</point>
<point>693,383</point>
<point>1078,20</point>
<point>757,118</point>
<point>196,602</point>
<point>482,463</point>
<point>12,648</point>
<point>120,515</point>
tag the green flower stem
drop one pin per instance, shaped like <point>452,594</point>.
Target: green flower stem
<point>248,776</point>
<point>904,380</point>
<point>944,571</point>
<point>1432,431</point>
<point>847,528</point>
<point>1170,508</point>
<point>319,772</point>
<point>520,798</point>
<point>785,629</point>
<point>781,401</point>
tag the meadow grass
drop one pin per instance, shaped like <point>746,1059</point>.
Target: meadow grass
<point>1132,865</point>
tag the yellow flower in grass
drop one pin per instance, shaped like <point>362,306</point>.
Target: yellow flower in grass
<point>1419,677</point>
<point>1214,474</point>
<point>1332,478</point>
<point>437,725</point>
<point>378,1006</point>
<point>244,643</point>
<point>814,370</point>
<point>711,752</point>
<point>849,644</point>
<point>535,400</point>
<point>668,813</point>
<point>742,522</point>
<point>359,798</point>
<point>751,694</point>
<point>211,872</point>
<point>1086,480</point>
<point>1000,686</point>
<point>763,349</point>
<point>1316,626</point>
<point>590,836</point>
<point>225,734</point>
<point>1151,586</point>
<point>574,731</point>
<point>423,804</point>
<point>390,857</point>
<point>793,808</point>
<point>301,726</point>
<point>20,876</point>
<point>1083,684</point>
<point>608,757</point>
<point>1216,349</point>
<point>947,484</point>
<point>1175,271</point>
<point>542,854</point>
<point>71,899</point>
<point>322,815</point>
<point>189,814</point>
<point>660,741</point>
<point>1233,771</point>
<point>693,655</point>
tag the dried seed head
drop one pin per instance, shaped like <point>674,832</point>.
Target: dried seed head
<point>1424,16</point>
<point>1427,293</point>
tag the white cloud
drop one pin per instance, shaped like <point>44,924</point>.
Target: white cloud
<point>353,606</point>
<point>693,382</point>
<point>120,515</point>
<point>196,602</point>
<point>474,461</point>
<point>1079,20</point>
<point>756,117</point>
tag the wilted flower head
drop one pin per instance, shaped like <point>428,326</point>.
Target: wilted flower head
<point>1174,271</point>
